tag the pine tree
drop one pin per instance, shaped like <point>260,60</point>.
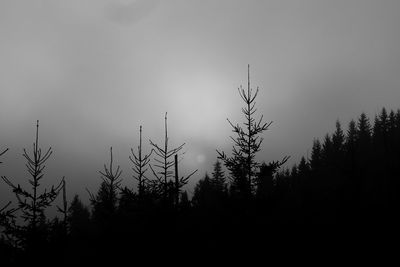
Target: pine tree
<point>351,137</point>
<point>364,142</point>
<point>32,203</point>
<point>184,201</point>
<point>218,178</point>
<point>139,168</point>
<point>303,168</point>
<point>364,129</point>
<point>78,217</point>
<point>338,139</point>
<point>166,160</point>
<point>316,157</point>
<point>203,193</point>
<point>265,182</point>
<point>5,214</point>
<point>327,151</point>
<point>350,149</point>
<point>106,200</point>
<point>242,164</point>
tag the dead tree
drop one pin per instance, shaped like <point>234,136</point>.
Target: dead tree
<point>242,164</point>
<point>139,168</point>
<point>33,203</point>
<point>164,163</point>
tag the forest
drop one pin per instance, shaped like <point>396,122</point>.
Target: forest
<point>349,184</point>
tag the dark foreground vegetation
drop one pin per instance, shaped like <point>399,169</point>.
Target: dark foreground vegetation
<point>347,191</point>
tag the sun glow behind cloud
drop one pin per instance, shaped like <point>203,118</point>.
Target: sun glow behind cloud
<point>199,100</point>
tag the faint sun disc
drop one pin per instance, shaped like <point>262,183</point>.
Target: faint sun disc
<point>200,158</point>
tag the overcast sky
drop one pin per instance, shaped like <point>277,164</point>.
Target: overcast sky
<point>92,71</point>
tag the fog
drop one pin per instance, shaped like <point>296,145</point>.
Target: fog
<point>93,71</point>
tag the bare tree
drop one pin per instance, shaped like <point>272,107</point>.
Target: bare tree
<point>242,164</point>
<point>33,203</point>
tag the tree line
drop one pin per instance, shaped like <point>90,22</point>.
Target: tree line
<point>351,178</point>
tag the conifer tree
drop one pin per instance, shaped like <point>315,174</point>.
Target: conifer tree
<point>184,201</point>
<point>316,157</point>
<point>106,200</point>
<point>203,192</point>
<point>4,213</point>
<point>338,139</point>
<point>351,137</point>
<point>364,129</point>
<point>166,160</point>
<point>33,203</point>
<point>242,164</point>
<point>78,217</point>
<point>265,182</point>
<point>218,178</point>
<point>303,168</point>
<point>350,150</point>
<point>140,162</point>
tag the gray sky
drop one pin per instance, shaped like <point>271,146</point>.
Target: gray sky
<point>92,71</point>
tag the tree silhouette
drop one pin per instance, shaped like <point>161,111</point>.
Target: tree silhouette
<point>218,178</point>
<point>78,218</point>
<point>33,203</point>
<point>139,168</point>
<point>265,181</point>
<point>5,214</point>
<point>179,181</point>
<point>64,208</point>
<point>203,193</point>
<point>105,202</point>
<point>242,164</point>
<point>166,159</point>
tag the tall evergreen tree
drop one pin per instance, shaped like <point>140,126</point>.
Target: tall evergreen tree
<point>203,193</point>
<point>316,157</point>
<point>338,139</point>
<point>32,203</point>
<point>327,151</point>
<point>78,217</point>
<point>140,162</point>
<point>242,164</point>
<point>364,143</point>
<point>106,200</point>
<point>218,178</point>
<point>265,182</point>
<point>364,129</point>
<point>166,160</point>
<point>351,138</point>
